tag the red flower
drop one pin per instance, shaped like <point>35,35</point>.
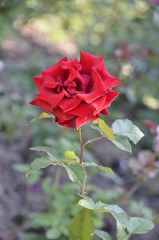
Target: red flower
<point>76,92</point>
<point>151,125</point>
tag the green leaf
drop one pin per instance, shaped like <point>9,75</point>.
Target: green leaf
<point>106,169</point>
<point>42,162</point>
<point>127,129</point>
<point>106,130</point>
<point>102,168</point>
<point>118,213</point>
<point>103,235</point>
<point>41,116</point>
<point>90,164</point>
<point>49,150</point>
<point>135,225</point>
<point>70,155</point>
<point>76,174</point>
<point>82,226</point>
<point>87,203</point>
<point>121,231</point>
<point>123,143</point>
<point>95,128</point>
<point>139,225</point>
<point>126,226</point>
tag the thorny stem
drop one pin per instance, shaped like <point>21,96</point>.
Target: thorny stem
<point>81,155</point>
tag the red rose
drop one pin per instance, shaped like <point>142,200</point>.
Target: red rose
<point>76,92</point>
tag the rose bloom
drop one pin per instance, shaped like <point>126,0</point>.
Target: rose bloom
<point>76,92</point>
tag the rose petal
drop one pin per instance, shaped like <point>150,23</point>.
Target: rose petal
<point>108,79</point>
<point>42,104</point>
<point>39,81</point>
<point>73,63</point>
<point>82,81</point>
<point>110,97</point>
<point>52,99</point>
<point>82,110</point>
<point>88,61</point>
<point>105,111</point>
<point>48,76</point>
<point>70,70</point>
<point>82,120</point>
<point>46,90</point>
<point>58,63</point>
<point>66,94</point>
<point>70,123</point>
<point>97,90</point>
<point>53,71</point>
<point>51,84</point>
<point>98,104</point>
<point>68,104</point>
<point>61,116</point>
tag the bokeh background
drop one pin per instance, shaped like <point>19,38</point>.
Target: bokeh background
<point>35,34</point>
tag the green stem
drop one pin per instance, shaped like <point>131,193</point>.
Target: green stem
<point>93,140</point>
<point>81,145</point>
<point>81,155</point>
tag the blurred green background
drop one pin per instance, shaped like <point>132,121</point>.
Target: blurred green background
<point>35,34</point>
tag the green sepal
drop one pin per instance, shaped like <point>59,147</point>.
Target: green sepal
<point>42,116</point>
